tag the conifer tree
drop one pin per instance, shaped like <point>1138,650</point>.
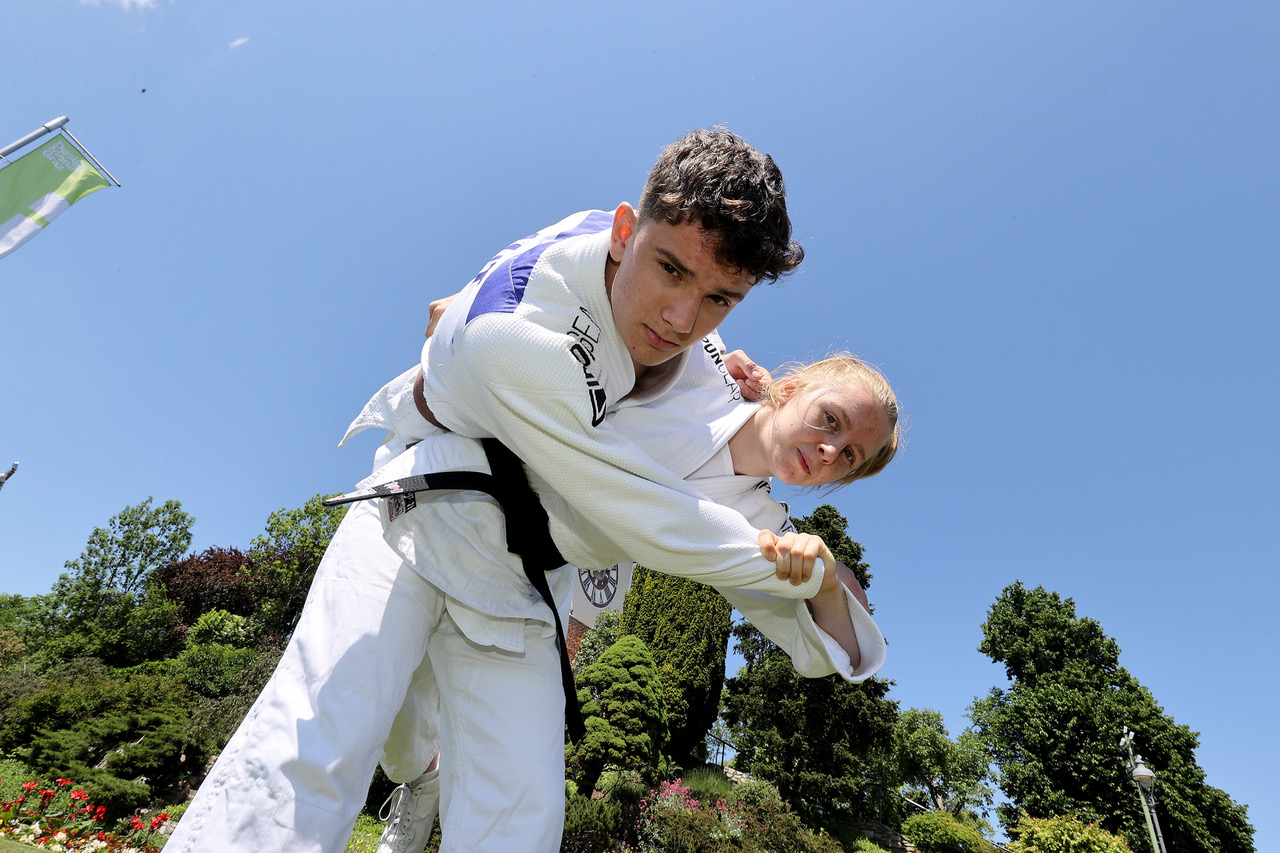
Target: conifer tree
<point>819,740</point>
<point>686,626</point>
<point>626,725</point>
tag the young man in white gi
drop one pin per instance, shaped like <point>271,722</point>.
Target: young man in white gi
<point>553,332</point>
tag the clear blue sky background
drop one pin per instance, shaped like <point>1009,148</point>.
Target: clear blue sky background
<point>1053,225</point>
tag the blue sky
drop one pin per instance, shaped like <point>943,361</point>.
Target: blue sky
<point>1054,226</point>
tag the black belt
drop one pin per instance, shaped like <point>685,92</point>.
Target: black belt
<point>528,537</point>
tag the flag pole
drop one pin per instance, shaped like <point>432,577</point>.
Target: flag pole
<point>48,127</point>
<point>80,145</point>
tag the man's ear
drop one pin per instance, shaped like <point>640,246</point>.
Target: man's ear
<point>624,228</point>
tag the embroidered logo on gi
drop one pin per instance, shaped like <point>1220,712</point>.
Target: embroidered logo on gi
<point>585,334</point>
<point>398,505</point>
<point>735,393</point>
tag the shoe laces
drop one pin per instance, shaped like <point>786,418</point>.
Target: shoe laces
<point>397,806</point>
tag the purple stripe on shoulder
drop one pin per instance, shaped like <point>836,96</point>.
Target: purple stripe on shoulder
<point>504,278</point>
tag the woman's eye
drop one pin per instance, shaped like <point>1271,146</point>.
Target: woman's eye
<point>831,421</point>
<point>850,456</point>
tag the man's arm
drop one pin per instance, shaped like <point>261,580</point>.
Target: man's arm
<point>532,397</point>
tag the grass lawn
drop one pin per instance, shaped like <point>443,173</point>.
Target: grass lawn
<point>7,846</point>
<point>364,838</point>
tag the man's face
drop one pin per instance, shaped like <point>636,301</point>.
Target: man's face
<point>668,291</point>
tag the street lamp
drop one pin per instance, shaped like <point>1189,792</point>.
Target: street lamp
<point>1144,779</point>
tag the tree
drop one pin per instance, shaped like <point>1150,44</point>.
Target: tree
<point>827,522</point>
<point>105,606</point>
<point>214,579</point>
<point>686,626</point>
<point>1054,732</point>
<point>603,635</point>
<point>120,559</point>
<point>818,740</point>
<point>626,724</point>
<point>951,776</point>
<point>286,557</point>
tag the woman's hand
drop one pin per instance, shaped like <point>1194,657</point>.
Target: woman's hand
<point>751,377</point>
<point>793,555</point>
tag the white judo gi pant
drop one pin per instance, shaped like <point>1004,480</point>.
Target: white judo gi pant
<point>296,773</point>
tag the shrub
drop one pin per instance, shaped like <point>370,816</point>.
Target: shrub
<point>214,670</point>
<point>590,825</point>
<point>771,825</point>
<point>863,845</point>
<point>939,832</point>
<point>1063,834</point>
<point>219,626</point>
<point>755,793</point>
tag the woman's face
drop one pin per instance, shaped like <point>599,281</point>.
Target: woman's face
<point>821,434</point>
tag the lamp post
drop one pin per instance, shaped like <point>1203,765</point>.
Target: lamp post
<point>1144,779</point>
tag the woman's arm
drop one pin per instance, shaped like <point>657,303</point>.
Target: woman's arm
<point>794,555</point>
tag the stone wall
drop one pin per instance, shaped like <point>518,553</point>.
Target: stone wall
<point>883,836</point>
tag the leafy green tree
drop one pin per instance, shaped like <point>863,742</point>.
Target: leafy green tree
<point>1054,732</point>
<point>952,776</point>
<point>105,605</point>
<point>686,625</point>
<point>121,557</point>
<point>286,557</point>
<point>621,699</point>
<point>121,734</point>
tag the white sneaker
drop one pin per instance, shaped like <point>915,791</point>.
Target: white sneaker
<point>410,814</point>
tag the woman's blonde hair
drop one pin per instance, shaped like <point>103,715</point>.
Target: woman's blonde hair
<point>831,372</point>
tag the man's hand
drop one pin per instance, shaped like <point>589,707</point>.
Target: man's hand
<point>751,377</point>
<point>793,555</point>
<point>437,311</point>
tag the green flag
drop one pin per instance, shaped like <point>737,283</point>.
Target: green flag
<point>38,186</point>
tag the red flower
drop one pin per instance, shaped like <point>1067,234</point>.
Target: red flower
<point>137,824</point>
<point>30,786</point>
<point>79,795</point>
<point>100,813</point>
<point>64,781</point>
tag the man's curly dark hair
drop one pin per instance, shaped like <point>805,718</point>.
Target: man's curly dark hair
<point>735,193</point>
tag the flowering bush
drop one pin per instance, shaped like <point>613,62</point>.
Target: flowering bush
<point>671,819</point>
<point>44,818</point>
